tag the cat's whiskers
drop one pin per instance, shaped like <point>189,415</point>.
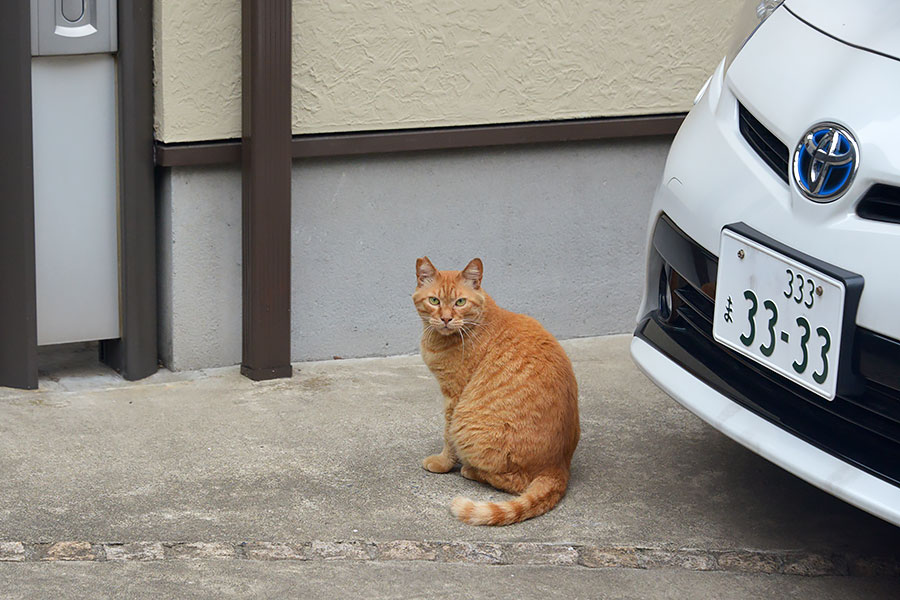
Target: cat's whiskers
<point>473,335</point>
<point>474,329</point>
<point>428,330</point>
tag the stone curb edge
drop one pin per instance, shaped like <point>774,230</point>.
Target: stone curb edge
<point>789,562</point>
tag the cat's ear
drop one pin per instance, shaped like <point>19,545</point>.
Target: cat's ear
<point>472,273</point>
<point>425,271</point>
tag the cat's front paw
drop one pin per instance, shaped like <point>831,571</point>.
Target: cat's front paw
<point>437,463</point>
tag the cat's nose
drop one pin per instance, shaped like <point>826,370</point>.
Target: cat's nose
<point>446,320</point>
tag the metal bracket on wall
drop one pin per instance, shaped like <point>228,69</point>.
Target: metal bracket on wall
<point>73,27</point>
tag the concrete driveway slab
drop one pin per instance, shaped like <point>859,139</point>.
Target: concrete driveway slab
<point>326,466</point>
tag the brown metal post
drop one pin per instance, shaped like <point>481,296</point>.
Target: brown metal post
<point>18,301</point>
<point>135,353</point>
<point>266,198</point>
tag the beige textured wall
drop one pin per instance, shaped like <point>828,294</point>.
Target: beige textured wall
<point>388,64</point>
<point>197,69</point>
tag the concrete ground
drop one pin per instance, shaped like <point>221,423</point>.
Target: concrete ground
<point>208,485</point>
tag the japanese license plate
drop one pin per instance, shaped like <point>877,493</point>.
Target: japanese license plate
<point>779,312</point>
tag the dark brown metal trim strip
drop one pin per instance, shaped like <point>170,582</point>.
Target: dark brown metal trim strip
<point>440,138</point>
<point>135,353</point>
<point>193,154</point>
<point>266,188</point>
<point>18,302</point>
<point>483,136</point>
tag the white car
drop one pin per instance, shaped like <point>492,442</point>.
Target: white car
<point>772,299</point>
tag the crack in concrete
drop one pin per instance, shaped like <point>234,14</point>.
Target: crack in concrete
<point>786,562</point>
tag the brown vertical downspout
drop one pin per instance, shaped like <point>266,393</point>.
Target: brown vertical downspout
<point>18,301</point>
<point>266,197</point>
<point>135,353</point>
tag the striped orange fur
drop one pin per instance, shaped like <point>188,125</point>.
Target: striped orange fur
<point>510,396</point>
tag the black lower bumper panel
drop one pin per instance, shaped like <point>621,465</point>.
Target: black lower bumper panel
<point>863,429</point>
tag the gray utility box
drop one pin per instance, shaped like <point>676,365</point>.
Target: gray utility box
<point>73,72</point>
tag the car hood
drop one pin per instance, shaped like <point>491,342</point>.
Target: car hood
<point>868,24</point>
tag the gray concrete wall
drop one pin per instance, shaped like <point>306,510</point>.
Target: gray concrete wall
<point>560,229</point>
<point>200,267</point>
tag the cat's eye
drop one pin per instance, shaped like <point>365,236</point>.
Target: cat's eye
<point>434,301</point>
<point>461,302</point>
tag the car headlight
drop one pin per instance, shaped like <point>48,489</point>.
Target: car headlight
<point>751,15</point>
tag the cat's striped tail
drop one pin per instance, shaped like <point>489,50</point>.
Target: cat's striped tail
<point>542,494</point>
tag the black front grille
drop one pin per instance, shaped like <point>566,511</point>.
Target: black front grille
<point>769,148</point>
<point>863,429</point>
<point>881,203</point>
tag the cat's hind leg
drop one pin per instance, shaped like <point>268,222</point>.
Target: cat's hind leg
<point>514,483</point>
<point>440,463</point>
<point>470,472</point>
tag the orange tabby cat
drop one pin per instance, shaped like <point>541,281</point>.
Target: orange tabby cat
<point>510,397</point>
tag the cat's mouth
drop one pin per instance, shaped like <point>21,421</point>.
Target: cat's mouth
<point>445,328</point>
